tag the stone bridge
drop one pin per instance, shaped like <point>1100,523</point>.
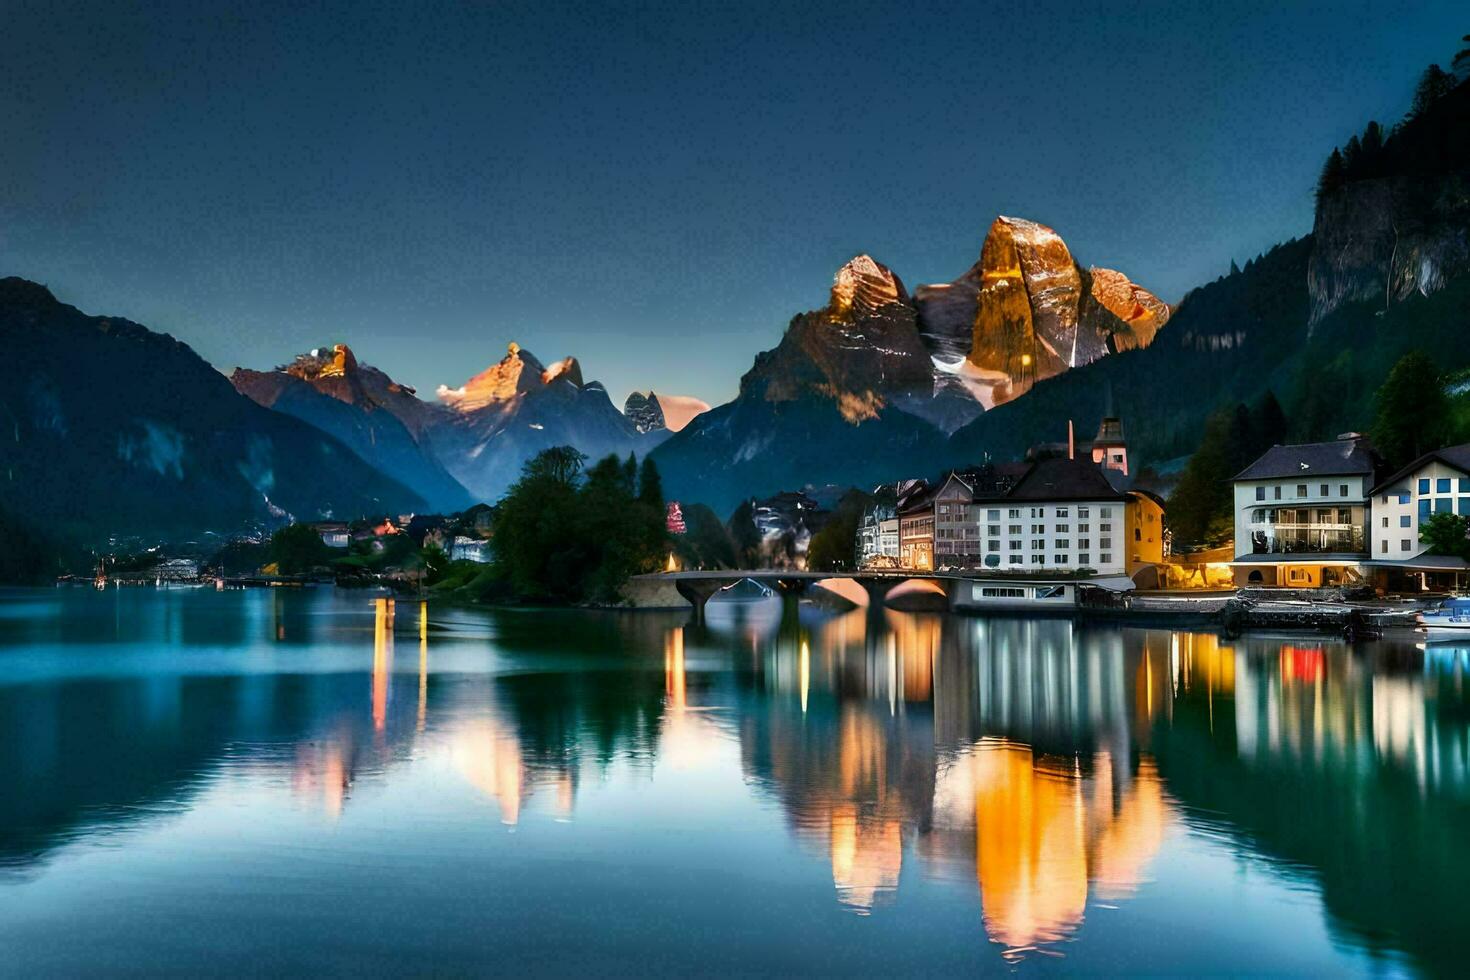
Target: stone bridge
<point>698,587</point>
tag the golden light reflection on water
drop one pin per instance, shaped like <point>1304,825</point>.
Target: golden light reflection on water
<point>1012,756</point>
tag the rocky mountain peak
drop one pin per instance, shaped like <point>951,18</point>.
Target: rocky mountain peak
<point>1142,311</point>
<point>336,361</point>
<point>864,286</point>
<point>645,412</point>
<point>567,369</point>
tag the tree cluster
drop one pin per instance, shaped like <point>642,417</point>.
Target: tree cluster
<point>1411,411</point>
<point>568,534</point>
<point>1431,137</point>
<point>1202,505</point>
<point>834,547</point>
<point>1447,534</point>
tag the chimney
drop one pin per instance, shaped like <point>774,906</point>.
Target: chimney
<point>1071,441</point>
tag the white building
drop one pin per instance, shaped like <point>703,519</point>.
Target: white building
<point>1435,483</point>
<point>464,548</point>
<point>1301,513</point>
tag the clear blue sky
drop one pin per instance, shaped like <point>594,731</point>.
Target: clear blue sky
<point>654,188</point>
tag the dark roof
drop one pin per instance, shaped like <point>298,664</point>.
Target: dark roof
<point>1455,456</point>
<point>1341,457</point>
<point>1064,479</point>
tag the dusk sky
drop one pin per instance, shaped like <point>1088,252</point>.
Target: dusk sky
<point>653,189</point>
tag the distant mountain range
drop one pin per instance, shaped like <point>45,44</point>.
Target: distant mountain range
<point>113,427</point>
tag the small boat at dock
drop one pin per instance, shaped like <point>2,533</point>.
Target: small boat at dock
<point>1450,620</point>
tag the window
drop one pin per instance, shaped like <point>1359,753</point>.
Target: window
<point>1277,492</point>
<point>1424,485</point>
<point>992,546</point>
<point>1081,511</point>
<point>1385,522</point>
<point>1014,545</point>
<point>1404,521</point>
<point>1105,512</point>
<point>1105,558</point>
<point>1061,512</point>
<point>1344,515</point>
<point>1063,543</point>
<point>1403,498</point>
<point>993,530</point>
<point>1038,545</point>
<point>1342,490</point>
<point>1465,484</point>
<point>1138,534</point>
<point>1105,527</point>
<point>1083,560</point>
<point>1260,493</point>
<point>1038,528</point>
<point>1442,505</point>
<point>1465,506</point>
<point>1038,559</point>
<point>1423,508</point>
<point>1083,528</point>
<point>1385,545</point>
<point>1038,511</point>
<point>1324,516</point>
<point>1084,542</point>
<point>1301,489</point>
<point>1014,512</point>
<point>1059,560</point>
<point>1063,528</point>
<point>944,508</point>
<point>1405,544</point>
<point>1384,499</point>
<point>1442,485</point>
<point>1002,592</point>
<point>1013,529</point>
<point>1014,560</point>
<point>993,515</point>
<point>1326,490</point>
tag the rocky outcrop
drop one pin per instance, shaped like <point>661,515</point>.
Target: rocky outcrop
<point>644,412</point>
<point>862,287</point>
<point>1381,241</point>
<point>1141,312</point>
<point>1026,311</point>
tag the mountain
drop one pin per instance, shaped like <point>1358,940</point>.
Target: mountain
<point>879,377</point>
<point>644,411</point>
<point>112,427</point>
<point>494,422</point>
<point>1026,311</point>
<point>364,409</point>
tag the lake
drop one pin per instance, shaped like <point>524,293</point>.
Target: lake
<point>294,781</point>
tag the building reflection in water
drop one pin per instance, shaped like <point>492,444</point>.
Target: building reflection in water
<point>1038,766</point>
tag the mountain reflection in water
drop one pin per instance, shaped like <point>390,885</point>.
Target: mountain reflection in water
<point>1064,789</point>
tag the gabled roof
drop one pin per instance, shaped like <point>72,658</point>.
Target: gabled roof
<point>1456,457</point>
<point>1340,457</point>
<point>1064,479</point>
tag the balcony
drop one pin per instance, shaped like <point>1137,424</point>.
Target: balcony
<point>1308,539</point>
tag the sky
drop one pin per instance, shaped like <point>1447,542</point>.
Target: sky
<point>653,188</point>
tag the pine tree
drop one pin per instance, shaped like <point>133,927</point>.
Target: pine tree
<point>1433,85</point>
<point>1334,175</point>
<point>1460,66</point>
<point>650,485</point>
<point>1411,411</point>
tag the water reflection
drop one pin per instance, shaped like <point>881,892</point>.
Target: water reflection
<point>1033,772</point>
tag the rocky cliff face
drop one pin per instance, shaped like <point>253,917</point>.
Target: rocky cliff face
<point>1026,311</point>
<point>1384,240</point>
<point>644,412</point>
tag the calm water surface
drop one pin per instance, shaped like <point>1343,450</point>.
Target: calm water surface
<point>315,781</point>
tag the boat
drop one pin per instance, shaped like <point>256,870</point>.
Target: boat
<point>1449,620</point>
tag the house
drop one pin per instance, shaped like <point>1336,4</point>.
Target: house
<point>956,538</point>
<point>1301,513</point>
<point>916,526</point>
<point>1436,483</point>
<point>464,548</point>
<point>334,535</point>
<point>1062,515</point>
<point>878,535</point>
